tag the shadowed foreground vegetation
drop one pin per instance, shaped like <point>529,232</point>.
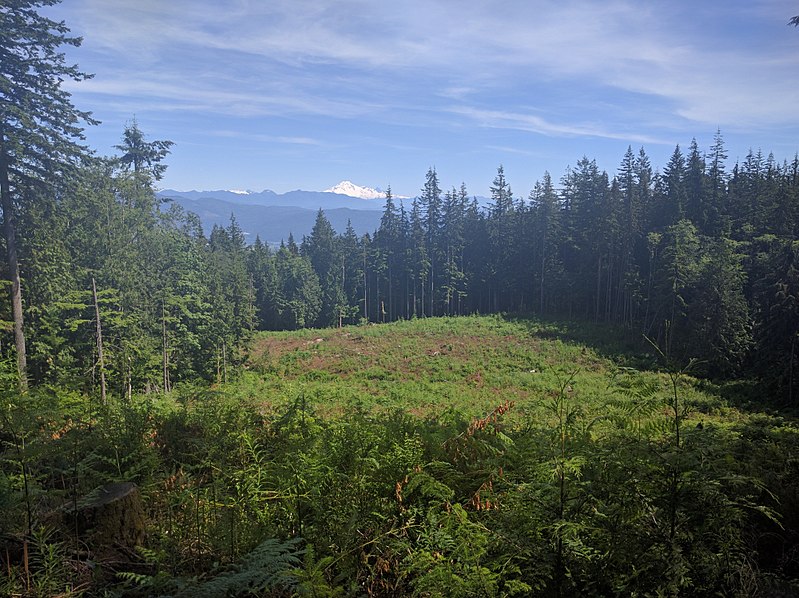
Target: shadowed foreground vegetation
<point>455,456</point>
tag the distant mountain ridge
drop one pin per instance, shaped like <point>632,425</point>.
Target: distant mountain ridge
<point>273,216</point>
<point>300,199</point>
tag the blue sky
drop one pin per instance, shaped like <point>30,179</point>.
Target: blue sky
<point>288,94</point>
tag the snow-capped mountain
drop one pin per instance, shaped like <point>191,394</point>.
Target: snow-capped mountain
<point>352,190</point>
<point>272,216</point>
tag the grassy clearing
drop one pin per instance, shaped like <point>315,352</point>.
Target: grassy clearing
<point>470,364</point>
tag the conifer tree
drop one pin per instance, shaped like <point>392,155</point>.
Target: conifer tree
<point>718,316</point>
<point>40,128</point>
<point>430,202</point>
<point>352,272</point>
<point>420,262</point>
<point>321,248</point>
<point>717,219</point>
<point>143,157</point>
<point>671,203</point>
<point>546,232</point>
<point>501,223</point>
<point>695,187</point>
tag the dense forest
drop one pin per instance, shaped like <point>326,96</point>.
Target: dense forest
<point>695,258</point>
<point>121,314</point>
<point>700,261</point>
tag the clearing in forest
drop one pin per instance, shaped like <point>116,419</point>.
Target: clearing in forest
<point>426,366</point>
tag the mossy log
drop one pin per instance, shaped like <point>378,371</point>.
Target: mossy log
<point>112,515</point>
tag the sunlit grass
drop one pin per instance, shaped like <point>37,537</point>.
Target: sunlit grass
<point>470,364</point>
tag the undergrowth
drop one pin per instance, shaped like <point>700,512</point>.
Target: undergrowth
<point>443,457</point>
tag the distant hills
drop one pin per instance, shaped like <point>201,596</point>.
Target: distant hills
<point>272,216</point>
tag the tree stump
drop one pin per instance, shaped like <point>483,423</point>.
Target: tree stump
<point>112,515</point>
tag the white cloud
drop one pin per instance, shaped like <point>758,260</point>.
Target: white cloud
<point>536,124</point>
<point>268,138</point>
<point>353,58</point>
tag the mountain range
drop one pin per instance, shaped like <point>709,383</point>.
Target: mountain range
<point>272,216</point>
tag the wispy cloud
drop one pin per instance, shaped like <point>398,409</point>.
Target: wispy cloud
<point>269,138</point>
<point>632,46</point>
<point>408,75</point>
<point>536,124</point>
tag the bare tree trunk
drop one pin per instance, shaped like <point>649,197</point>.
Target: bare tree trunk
<point>167,385</point>
<point>598,286</point>
<point>224,361</point>
<point>365,289</point>
<point>543,269</point>
<point>9,225</point>
<point>100,358</point>
<point>129,383</point>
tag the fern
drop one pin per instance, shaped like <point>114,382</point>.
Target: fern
<point>268,566</point>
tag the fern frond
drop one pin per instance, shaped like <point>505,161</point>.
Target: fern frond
<point>268,566</point>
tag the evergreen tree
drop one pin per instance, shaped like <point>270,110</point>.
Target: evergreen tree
<point>501,195</point>
<point>718,315</point>
<point>675,274</point>
<point>389,241</point>
<point>546,233</point>
<point>454,279</point>
<point>430,204</point>
<point>353,273</point>
<point>296,298</point>
<point>589,228</point>
<point>716,216</point>
<point>671,202</point>
<point>143,157</point>
<point>261,268</point>
<point>503,243</point>
<point>776,291</point>
<point>476,265</point>
<point>321,248</point>
<point>695,188</point>
<point>419,263</point>
<point>40,129</point>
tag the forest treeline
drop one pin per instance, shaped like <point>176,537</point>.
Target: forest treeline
<point>700,260</point>
<point>110,289</point>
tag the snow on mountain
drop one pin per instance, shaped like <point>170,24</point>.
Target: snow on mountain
<point>352,190</point>
<point>239,191</point>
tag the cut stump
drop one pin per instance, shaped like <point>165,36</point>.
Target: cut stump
<point>112,515</point>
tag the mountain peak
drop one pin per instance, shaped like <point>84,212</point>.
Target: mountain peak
<point>352,190</point>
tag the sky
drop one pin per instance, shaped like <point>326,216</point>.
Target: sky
<point>302,94</point>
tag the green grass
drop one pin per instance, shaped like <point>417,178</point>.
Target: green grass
<point>470,364</point>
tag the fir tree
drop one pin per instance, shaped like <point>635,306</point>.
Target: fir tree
<point>40,129</point>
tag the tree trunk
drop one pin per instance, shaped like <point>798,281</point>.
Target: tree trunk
<point>543,266</point>
<point>365,289</point>
<point>165,347</point>
<point>100,358</point>
<point>13,266</point>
